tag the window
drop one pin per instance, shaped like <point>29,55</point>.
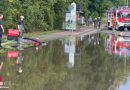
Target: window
<point>125,14</point>
<point>118,14</point>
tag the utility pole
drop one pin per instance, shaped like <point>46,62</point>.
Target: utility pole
<point>127,3</point>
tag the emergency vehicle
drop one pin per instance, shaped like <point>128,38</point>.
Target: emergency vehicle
<point>118,18</point>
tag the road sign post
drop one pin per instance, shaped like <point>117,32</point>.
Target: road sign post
<point>73,16</point>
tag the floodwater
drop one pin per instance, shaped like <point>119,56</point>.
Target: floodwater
<point>94,62</point>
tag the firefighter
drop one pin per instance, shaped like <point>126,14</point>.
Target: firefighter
<point>21,28</point>
<point>99,22</point>
<point>95,22</point>
<point>1,29</point>
<point>89,21</point>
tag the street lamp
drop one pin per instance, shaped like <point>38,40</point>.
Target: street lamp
<point>127,3</point>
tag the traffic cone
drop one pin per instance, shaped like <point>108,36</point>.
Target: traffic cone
<point>37,37</point>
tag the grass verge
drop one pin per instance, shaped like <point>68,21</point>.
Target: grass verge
<point>103,20</point>
<point>40,33</point>
<point>34,34</point>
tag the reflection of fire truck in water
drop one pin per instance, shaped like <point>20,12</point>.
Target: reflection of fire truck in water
<point>118,18</point>
<point>119,45</point>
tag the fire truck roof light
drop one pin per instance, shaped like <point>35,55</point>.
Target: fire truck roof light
<point>120,8</point>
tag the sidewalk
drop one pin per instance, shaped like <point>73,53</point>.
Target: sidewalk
<point>83,31</point>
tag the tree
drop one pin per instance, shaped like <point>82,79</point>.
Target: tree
<point>48,14</point>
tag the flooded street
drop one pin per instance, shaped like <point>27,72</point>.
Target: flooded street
<point>94,62</point>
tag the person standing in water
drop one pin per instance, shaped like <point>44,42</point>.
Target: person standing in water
<point>1,29</point>
<point>21,28</point>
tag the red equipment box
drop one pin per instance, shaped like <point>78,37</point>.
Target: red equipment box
<point>13,34</point>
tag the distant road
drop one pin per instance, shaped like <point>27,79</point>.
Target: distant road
<point>104,30</point>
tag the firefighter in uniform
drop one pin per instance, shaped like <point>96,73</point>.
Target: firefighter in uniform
<point>1,29</point>
<point>21,28</point>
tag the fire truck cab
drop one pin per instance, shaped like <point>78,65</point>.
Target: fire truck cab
<point>119,18</point>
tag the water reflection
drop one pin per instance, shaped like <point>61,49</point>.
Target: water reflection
<point>1,62</point>
<point>125,86</point>
<point>72,49</point>
<point>37,45</point>
<point>97,39</point>
<point>89,39</point>
<point>94,38</point>
<point>20,58</point>
<point>90,66</point>
<point>1,65</point>
<point>116,44</point>
<point>119,45</point>
<point>18,55</point>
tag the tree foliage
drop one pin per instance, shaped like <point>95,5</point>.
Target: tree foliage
<point>47,14</point>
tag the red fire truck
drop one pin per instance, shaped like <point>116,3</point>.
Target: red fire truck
<point>118,18</point>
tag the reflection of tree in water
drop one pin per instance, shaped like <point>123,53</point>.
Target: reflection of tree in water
<point>48,71</point>
<point>1,65</point>
<point>121,75</point>
<point>98,72</point>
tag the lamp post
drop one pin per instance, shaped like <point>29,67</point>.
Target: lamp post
<point>73,16</point>
<point>127,3</point>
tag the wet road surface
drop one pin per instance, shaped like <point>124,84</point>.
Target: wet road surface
<point>94,62</point>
